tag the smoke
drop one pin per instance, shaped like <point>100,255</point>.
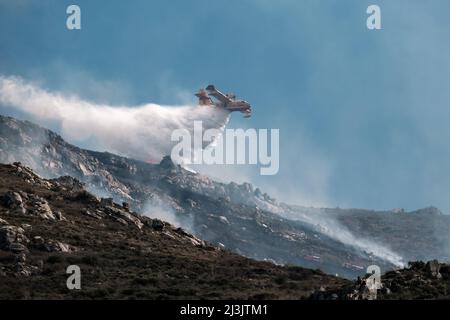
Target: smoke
<point>328,225</point>
<point>335,230</point>
<point>164,213</point>
<point>141,132</point>
<point>167,210</point>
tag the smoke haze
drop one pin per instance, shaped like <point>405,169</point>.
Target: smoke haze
<point>141,132</point>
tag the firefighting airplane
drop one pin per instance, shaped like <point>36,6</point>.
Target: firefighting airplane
<point>227,101</point>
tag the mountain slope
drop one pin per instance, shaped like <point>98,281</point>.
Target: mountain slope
<point>47,225</point>
<point>238,217</point>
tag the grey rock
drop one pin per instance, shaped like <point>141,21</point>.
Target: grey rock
<point>13,238</point>
<point>26,226</point>
<point>41,208</point>
<point>59,216</point>
<point>69,182</point>
<point>38,240</point>
<point>106,201</point>
<point>167,163</point>
<point>14,201</point>
<point>433,268</point>
<point>122,215</point>
<point>157,225</point>
<point>96,215</point>
<point>56,246</point>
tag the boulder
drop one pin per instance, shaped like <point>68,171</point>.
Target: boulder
<point>26,173</point>
<point>182,232</point>
<point>167,163</point>
<point>123,216</point>
<point>106,201</point>
<point>38,240</point>
<point>13,239</point>
<point>40,208</point>
<point>56,246</point>
<point>51,245</point>
<point>433,267</point>
<point>69,183</point>
<point>59,216</point>
<point>157,225</point>
<point>120,220</point>
<point>26,226</point>
<point>96,215</point>
<point>224,220</point>
<point>14,201</point>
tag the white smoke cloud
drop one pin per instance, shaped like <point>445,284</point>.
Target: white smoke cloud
<point>140,132</point>
<point>336,231</point>
<point>327,224</point>
<point>164,213</point>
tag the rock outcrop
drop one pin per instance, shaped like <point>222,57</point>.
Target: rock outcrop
<point>420,280</point>
<point>13,239</point>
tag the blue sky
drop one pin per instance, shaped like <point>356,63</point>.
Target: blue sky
<point>363,115</point>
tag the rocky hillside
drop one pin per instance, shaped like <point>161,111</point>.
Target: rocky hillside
<point>418,281</point>
<point>47,225</point>
<point>237,217</point>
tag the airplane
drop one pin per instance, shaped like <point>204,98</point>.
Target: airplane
<point>227,101</point>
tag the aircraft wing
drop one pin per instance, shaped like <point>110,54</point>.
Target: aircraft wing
<point>217,94</point>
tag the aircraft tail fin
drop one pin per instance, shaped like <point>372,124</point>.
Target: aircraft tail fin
<point>210,88</point>
<point>203,98</point>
